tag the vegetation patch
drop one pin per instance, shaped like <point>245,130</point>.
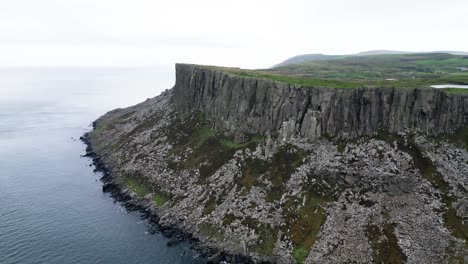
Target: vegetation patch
<point>277,170</point>
<point>109,124</point>
<point>460,137</point>
<point>306,214</point>
<point>253,140</point>
<point>455,90</point>
<point>252,170</point>
<point>210,206</point>
<point>341,146</point>
<point>211,231</point>
<point>139,186</point>
<point>142,126</point>
<point>267,235</point>
<point>104,126</point>
<point>424,165</point>
<point>200,146</point>
<point>305,223</point>
<point>142,188</point>
<point>455,225</point>
<point>228,219</point>
<point>421,162</point>
<point>283,164</point>
<point>267,240</point>
<point>209,157</point>
<point>300,254</point>
<point>160,199</point>
<point>384,244</point>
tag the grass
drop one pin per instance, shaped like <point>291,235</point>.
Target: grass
<point>228,143</point>
<point>284,163</point>
<point>456,226</point>
<point>300,254</point>
<point>341,146</point>
<point>267,236</point>
<point>459,138</point>
<point>211,231</point>
<point>228,219</point>
<point>386,250</point>
<point>267,241</point>
<point>127,137</point>
<point>209,149</point>
<point>142,188</point>
<point>160,199</point>
<point>110,124</point>
<point>455,90</point>
<point>305,220</point>
<point>290,79</point>
<point>408,70</point>
<point>305,225</point>
<point>104,126</point>
<point>210,206</point>
<point>277,170</point>
<point>252,170</point>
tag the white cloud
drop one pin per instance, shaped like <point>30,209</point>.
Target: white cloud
<point>238,33</point>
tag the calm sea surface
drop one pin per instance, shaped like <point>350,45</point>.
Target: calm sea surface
<point>52,209</point>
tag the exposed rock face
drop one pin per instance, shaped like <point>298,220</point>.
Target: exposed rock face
<point>253,106</point>
<point>298,197</point>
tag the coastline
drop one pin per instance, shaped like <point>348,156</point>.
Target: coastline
<point>275,199</point>
<point>177,235</point>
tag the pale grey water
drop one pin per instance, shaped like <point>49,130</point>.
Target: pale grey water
<point>442,86</point>
<point>52,209</point>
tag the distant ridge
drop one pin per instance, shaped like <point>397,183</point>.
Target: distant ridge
<point>320,57</point>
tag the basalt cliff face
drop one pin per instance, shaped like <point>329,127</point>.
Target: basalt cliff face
<point>263,171</point>
<point>254,106</point>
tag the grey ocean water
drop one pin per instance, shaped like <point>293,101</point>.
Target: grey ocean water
<point>52,209</point>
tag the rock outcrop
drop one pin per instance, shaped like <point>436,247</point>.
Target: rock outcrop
<point>250,105</point>
<point>294,189</point>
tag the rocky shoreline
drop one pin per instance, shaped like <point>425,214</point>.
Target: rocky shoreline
<point>278,196</point>
<point>132,203</point>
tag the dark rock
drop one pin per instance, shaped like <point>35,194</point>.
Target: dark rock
<point>173,242</point>
<point>215,259</point>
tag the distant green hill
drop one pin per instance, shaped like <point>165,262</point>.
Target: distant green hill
<point>318,57</point>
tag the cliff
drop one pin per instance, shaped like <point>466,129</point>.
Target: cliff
<point>262,171</point>
<point>252,106</point>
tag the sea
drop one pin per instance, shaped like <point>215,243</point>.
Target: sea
<point>52,208</point>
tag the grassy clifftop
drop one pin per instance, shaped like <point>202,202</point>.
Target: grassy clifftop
<point>400,71</point>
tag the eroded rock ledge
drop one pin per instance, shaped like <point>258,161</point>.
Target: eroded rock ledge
<point>291,196</point>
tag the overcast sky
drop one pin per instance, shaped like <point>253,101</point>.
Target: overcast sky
<point>244,33</point>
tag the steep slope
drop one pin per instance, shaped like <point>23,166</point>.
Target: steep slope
<point>288,174</point>
<point>251,105</point>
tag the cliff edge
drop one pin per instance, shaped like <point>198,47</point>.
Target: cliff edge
<point>250,105</point>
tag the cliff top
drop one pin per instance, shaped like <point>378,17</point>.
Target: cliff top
<point>384,71</point>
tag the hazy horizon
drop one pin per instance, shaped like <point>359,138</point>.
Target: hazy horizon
<point>243,33</point>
